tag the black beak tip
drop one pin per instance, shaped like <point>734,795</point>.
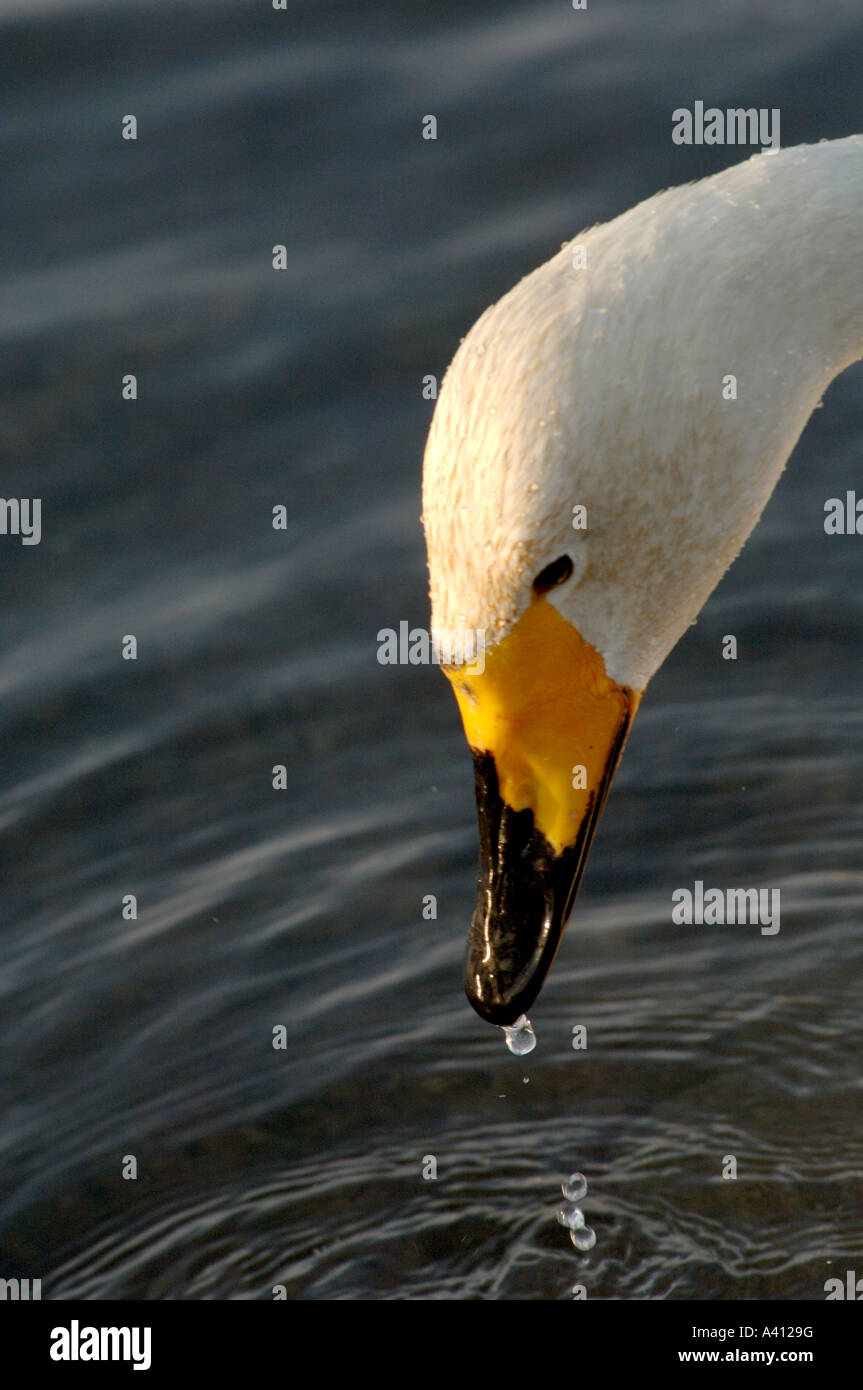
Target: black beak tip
<point>502,1007</point>
<point>524,893</point>
<point>505,968</point>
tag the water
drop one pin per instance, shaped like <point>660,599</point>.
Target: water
<point>520,1037</point>
<point>575,1187</point>
<point>574,1190</point>
<point>571,1217</point>
<point>152,1036</point>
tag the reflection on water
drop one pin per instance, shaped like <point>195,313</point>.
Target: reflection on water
<point>151,1032</point>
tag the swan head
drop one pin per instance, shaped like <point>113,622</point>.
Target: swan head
<point>588,478</point>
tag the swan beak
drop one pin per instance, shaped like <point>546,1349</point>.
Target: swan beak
<point>547,729</point>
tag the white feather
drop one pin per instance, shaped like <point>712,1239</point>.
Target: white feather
<point>602,386</point>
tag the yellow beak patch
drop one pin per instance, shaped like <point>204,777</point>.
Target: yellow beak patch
<point>553,721</point>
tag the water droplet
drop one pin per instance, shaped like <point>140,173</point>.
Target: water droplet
<point>520,1037</point>
<point>584,1238</point>
<point>575,1187</point>
<point>542,424</point>
<point>571,1217</point>
<point>534,487</point>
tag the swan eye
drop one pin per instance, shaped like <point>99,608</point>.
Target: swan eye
<point>556,573</point>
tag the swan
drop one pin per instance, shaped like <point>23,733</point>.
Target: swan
<point>604,440</point>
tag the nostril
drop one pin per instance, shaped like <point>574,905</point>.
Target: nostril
<point>556,573</point>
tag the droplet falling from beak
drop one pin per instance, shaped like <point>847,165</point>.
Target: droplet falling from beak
<point>520,1037</point>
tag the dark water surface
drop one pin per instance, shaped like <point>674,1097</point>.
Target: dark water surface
<point>302,907</point>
